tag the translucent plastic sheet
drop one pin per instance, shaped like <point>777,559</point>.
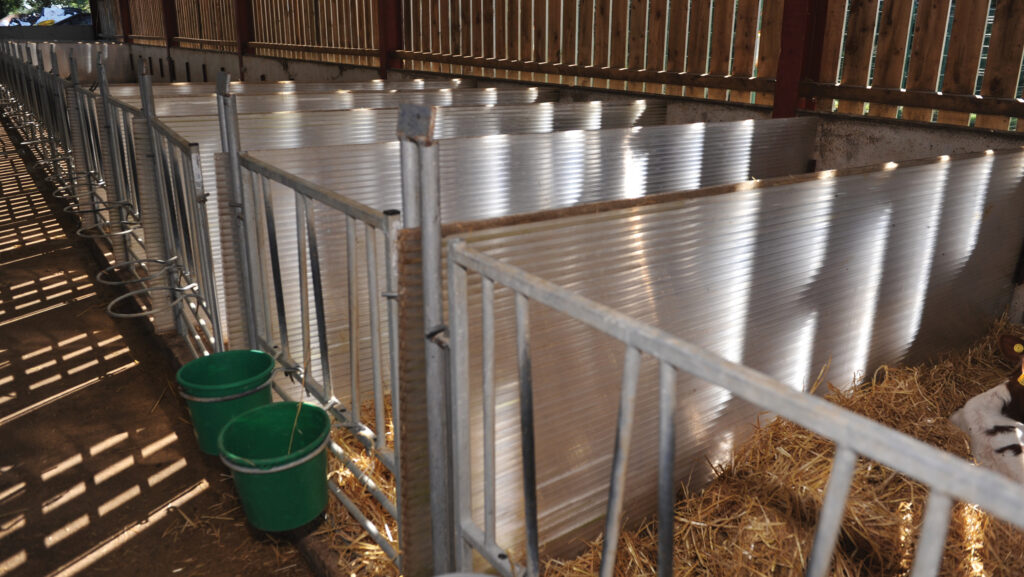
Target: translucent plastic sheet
<point>854,271</point>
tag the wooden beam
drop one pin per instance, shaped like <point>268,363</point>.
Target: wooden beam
<point>125,10</point>
<point>796,18</point>
<point>170,22</point>
<point>655,76</point>
<point>962,103</point>
<point>243,33</point>
<point>389,35</point>
<point>94,9</point>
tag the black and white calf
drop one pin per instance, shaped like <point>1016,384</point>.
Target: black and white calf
<point>994,420</point>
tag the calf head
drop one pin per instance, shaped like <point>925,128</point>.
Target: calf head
<point>1013,349</point>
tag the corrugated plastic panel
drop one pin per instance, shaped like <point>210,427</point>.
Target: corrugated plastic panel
<point>204,88</point>
<point>853,270</point>
<point>344,100</point>
<point>505,175</point>
<point>298,129</point>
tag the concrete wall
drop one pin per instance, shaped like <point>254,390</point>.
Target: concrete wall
<point>184,65</point>
<point>847,141</point>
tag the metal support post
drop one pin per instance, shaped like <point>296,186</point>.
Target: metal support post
<point>163,202</point>
<point>415,127</point>
<point>241,210</point>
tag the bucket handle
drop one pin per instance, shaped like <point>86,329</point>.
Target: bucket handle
<point>283,467</point>
<point>196,399</point>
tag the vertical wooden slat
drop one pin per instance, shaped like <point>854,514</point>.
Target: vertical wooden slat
<point>489,29</point>
<point>832,46</point>
<point>538,15</point>
<point>568,52</point>
<point>860,39</point>
<point>478,23</point>
<point>656,34</point>
<point>619,30</point>
<point>639,39</point>
<point>1002,67</point>
<point>770,47</point>
<point>407,40</point>
<point>926,53</point>
<point>964,55</point>
<point>601,20</point>
<point>677,41</point>
<point>584,51</point>
<point>512,32</point>
<point>747,12</point>
<point>465,16</point>
<point>435,30</point>
<point>697,42</point>
<point>893,30</point>
<point>721,43</point>
<point>555,30</point>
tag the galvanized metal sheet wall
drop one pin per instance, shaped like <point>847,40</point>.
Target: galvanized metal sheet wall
<point>852,270</point>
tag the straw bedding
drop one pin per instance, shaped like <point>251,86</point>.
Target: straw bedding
<point>357,552</point>
<point>758,516</point>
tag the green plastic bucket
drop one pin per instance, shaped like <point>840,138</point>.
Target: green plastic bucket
<point>222,385</point>
<point>280,489</point>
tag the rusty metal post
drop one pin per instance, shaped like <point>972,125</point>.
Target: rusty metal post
<point>389,35</point>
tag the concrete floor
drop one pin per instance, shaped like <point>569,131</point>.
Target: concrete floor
<point>99,470</point>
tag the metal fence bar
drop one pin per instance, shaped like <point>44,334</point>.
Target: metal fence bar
<point>666,467</point>
<point>932,541</point>
<point>948,476</point>
<point>487,356</point>
<point>318,290</point>
<point>623,437</point>
<point>843,466</point>
<point>375,354</point>
<point>353,318</point>
<point>300,244</point>
<point>524,363</point>
<point>460,394</point>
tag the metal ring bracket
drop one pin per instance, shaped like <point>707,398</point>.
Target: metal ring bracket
<point>183,296</point>
<point>85,231</point>
<point>96,207</point>
<point>102,276</point>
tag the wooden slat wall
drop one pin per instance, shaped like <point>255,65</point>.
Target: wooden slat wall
<point>747,12</point>
<point>964,52</point>
<point>1004,59</point>
<point>212,20</point>
<point>147,22</point>
<point>860,37</point>
<point>771,44</point>
<point>721,44</point>
<point>884,46</point>
<point>893,33</point>
<point>926,53</point>
<point>327,30</point>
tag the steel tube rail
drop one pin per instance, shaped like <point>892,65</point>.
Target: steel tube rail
<point>327,197</point>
